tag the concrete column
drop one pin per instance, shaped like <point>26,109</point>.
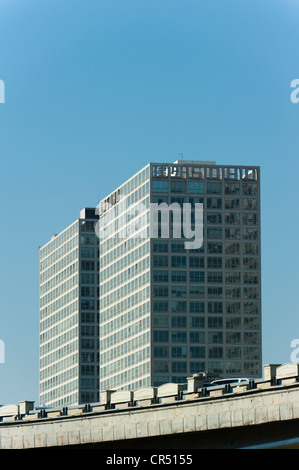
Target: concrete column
<point>195,382</point>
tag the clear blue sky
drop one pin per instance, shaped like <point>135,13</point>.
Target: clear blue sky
<point>95,89</point>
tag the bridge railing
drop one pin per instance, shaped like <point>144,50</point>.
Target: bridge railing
<point>275,375</point>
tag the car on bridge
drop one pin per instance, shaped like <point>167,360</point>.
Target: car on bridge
<point>229,381</point>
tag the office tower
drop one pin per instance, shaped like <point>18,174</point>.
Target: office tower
<point>69,279</point>
<point>167,311</point>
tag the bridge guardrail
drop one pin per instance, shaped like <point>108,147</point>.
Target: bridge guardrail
<point>150,396</point>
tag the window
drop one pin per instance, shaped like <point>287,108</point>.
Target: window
<point>178,186</point>
<point>161,336</point>
<point>232,188</point>
<point>250,219</point>
<point>178,276</point>
<point>196,187</point>
<point>160,291</point>
<point>160,186</point>
<point>160,246</point>
<point>87,304</point>
<point>251,353</point>
<point>196,291</point>
<point>197,307</point>
<point>250,204</point>
<point>196,262</point>
<point>232,277</point>
<point>215,307</point>
<point>161,321</point>
<point>232,233</point>
<point>233,367</point>
<point>250,249</point>
<point>215,322</point>
<point>87,330</point>
<point>87,252</point>
<point>250,233</point>
<point>197,337</point>
<point>251,338</point>
<point>214,203</point>
<point>178,306</point>
<point>160,261</point>
<point>251,323</point>
<point>215,247</point>
<point>160,366</point>
<point>160,276</point>
<point>233,307</point>
<point>160,306</point>
<point>214,233</point>
<point>251,368</point>
<point>87,278</point>
<point>215,292</point>
<point>215,277</point>
<point>232,218</point>
<point>214,218</point>
<point>250,278</point>
<point>197,366</point>
<point>179,199</point>
<point>215,337</point>
<point>196,200</point>
<point>87,265</point>
<point>233,337</point>
<point>233,352</point>
<point>197,352</point>
<point>197,276</point>
<point>214,262</point>
<point>87,240</point>
<point>250,189</point>
<point>179,366</point>
<point>179,322</point>
<point>232,263</point>
<point>87,291</point>
<point>216,367</point>
<point>251,308</point>
<point>179,337</point>
<point>197,322</point>
<point>215,352</point>
<point>178,291</point>
<point>87,317</point>
<point>250,263</point>
<point>179,351</point>
<point>178,247</point>
<point>160,199</point>
<point>250,293</point>
<point>178,261</point>
<point>161,351</point>
<point>233,293</point>
<point>232,203</point>
<point>214,188</point>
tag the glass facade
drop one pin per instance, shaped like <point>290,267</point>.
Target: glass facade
<point>167,312</point>
<point>125,286</point>
<point>206,302</point>
<point>69,356</point>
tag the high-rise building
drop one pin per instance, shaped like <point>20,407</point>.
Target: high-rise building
<point>169,309</point>
<point>69,321</point>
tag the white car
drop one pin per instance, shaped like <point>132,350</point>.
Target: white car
<point>229,381</point>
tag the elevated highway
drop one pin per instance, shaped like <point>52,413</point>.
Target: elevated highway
<point>262,413</point>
